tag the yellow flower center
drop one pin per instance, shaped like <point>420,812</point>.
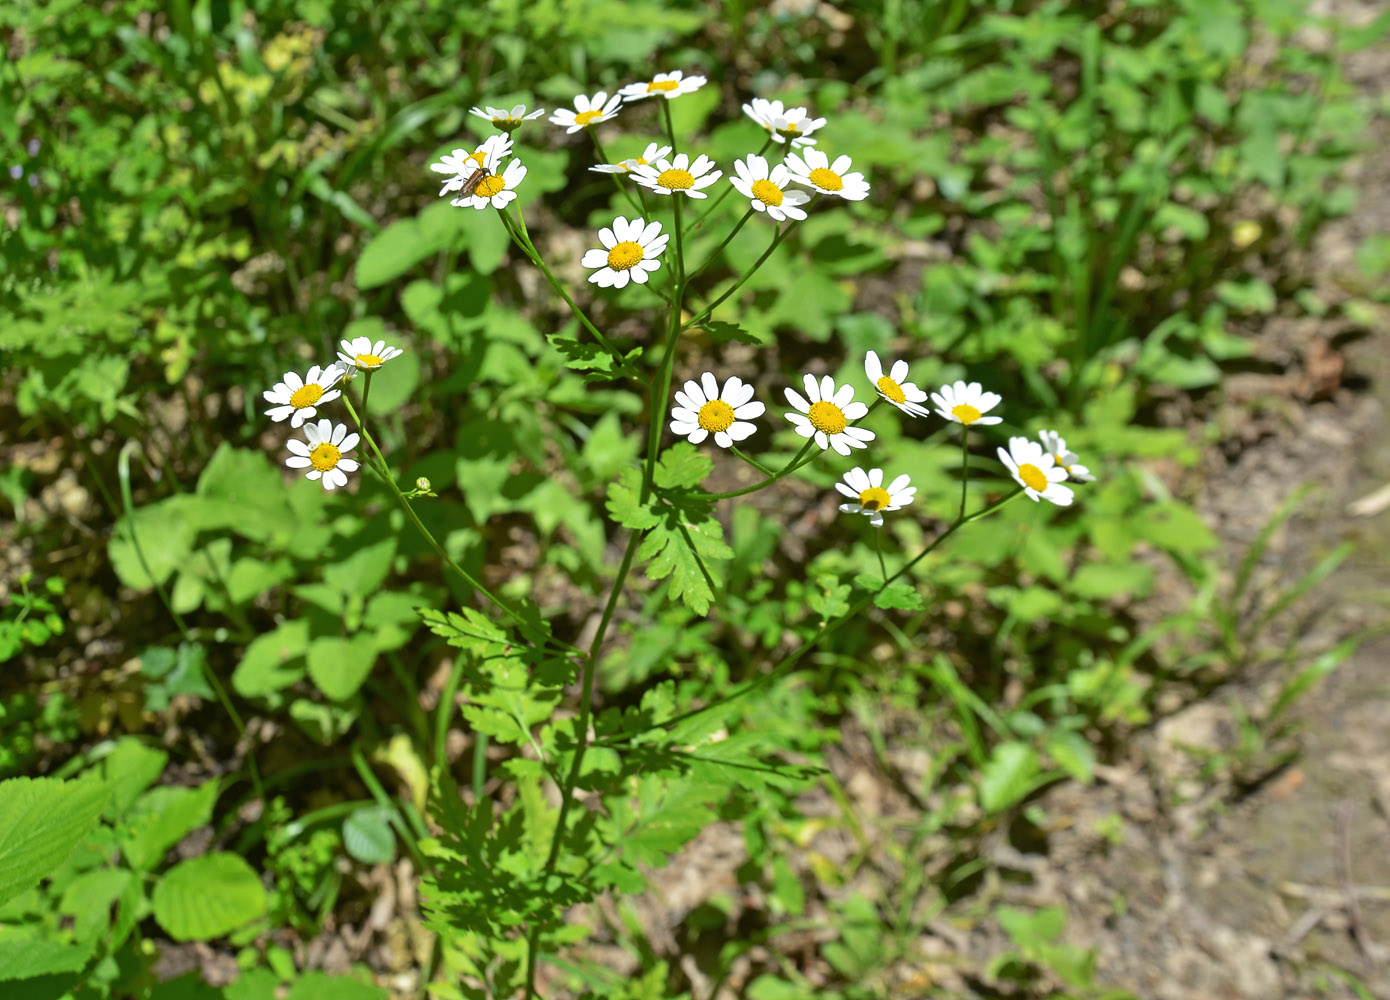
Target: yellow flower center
<point>625,256</point>
<point>874,498</point>
<point>826,180</point>
<point>585,117</point>
<point>369,361</point>
<point>1032,477</point>
<point>660,85</point>
<point>325,456</point>
<point>891,390</point>
<point>767,192</point>
<point>676,180</point>
<point>789,130</point>
<point>478,156</point>
<point>306,395</point>
<point>827,417</point>
<point>965,413</point>
<point>716,415</point>
<point>507,124</point>
<point>489,186</point>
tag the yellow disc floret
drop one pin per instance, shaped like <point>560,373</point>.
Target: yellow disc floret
<point>585,117</point>
<point>767,192</point>
<point>625,256</point>
<point>716,415</point>
<point>489,186</point>
<point>657,86</point>
<point>874,498</point>
<point>676,180</point>
<point>826,180</point>
<point>965,413</point>
<point>325,456</point>
<point>1032,477</point>
<point>306,395</point>
<point>827,418</point>
<point>891,390</point>
<point>369,361</point>
<point>789,130</point>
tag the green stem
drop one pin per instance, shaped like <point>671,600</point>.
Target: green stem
<point>382,469</point>
<point>705,313</point>
<point>670,128</point>
<point>366,391</point>
<point>480,742</point>
<point>695,226</point>
<point>801,458</point>
<point>878,547</point>
<point>965,465</point>
<point>659,401</point>
<point>752,461</point>
<point>720,249</point>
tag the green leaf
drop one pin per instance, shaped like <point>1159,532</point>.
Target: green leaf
<point>340,666</point>
<point>162,533</point>
<point>128,770</point>
<point>208,897</point>
<point>31,957</point>
<point>362,573</point>
<point>828,597</point>
<point>263,669</point>
<point>161,818</point>
<point>1251,296</point>
<point>322,986</point>
<point>625,505</point>
<point>1104,580</point>
<point>368,837</point>
<point>1073,754</point>
<point>899,596</point>
<point>402,245</point>
<point>1007,776</point>
<point>691,553</point>
<point>41,821</point>
<point>682,466</point>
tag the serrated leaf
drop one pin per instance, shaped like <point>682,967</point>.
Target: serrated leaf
<point>721,333</point>
<point>682,466</point>
<point>899,596</point>
<point>207,897</point>
<point>368,837</point>
<point>472,630</point>
<point>161,818</point>
<point>41,821</point>
<point>829,598</point>
<point>691,554</point>
<point>32,957</point>
<point>625,505</point>
<point>591,359</point>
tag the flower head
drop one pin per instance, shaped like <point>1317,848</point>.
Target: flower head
<point>870,497</point>
<point>678,175</point>
<point>766,188</point>
<point>704,410</point>
<point>507,121</point>
<point>323,454</point>
<point>297,398</point>
<point>362,354</point>
<point>461,165</point>
<point>818,172</point>
<point>1036,471</point>
<point>651,154</point>
<point>492,189</point>
<point>966,404</point>
<point>669,85</point>
<point>792,125</point>
<point>587,112</point>
<point>630,249</point>
<point>904,395</point>
<point>827,414</point>
<point>1056,446</point>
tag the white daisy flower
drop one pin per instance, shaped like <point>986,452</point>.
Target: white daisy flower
<point>869,496</point>
<point>792,125</point>
<point>493,190</point>
<point>507,121</point>
<point>1056,446</point>
<point>678,175</point>
<point>904,395</point>
<point>704,410</point>
<point>323,455</point>
<point>587,112</point>
<point>461,165</point>
<point>767,189</point>
<point>630,249</point>
<point>297,398</point>
<point>818,172</point>
<point>362,354</point>
<point>651,154</point>
<point>966,404</point>
<point>670,85</point>
<point>1036,471</point>
<point>827,415</point>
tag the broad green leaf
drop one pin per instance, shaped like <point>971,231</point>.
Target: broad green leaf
<point>161,818</point>
<point>28,958</point>
<point>265,667</point>
<point>128,770</point>
<point>900,596</point>
<point>41,821</point>
<point>208,897</point>
<point>625,505</point>
<point>340,666</point>
<point>368,837</point>
<point>1007,776</point>
<point>147,547</point>
<point>682,466</point>
<point>322,986</point>
<point>402,245</point>
<point>1073,754</point>
<point>363,572</point>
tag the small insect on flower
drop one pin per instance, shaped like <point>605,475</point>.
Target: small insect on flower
<point>507,121</point>
<point>297,398</point>
<point>704,410</point>
<point>1036,471</point>
<point>630,249</point>
<point>323,455</point>
<point>827,414</point>
<point>892,387</point>
<point>792,125</point>
<point>818,172</point>
<point>468,170</point>
<point>587,112</point>
<point>651,154</point>
<point>362,354</point>
<point>868,495</point>
<point>766,188</point>
<point>1056,446</point>
<point>966,404</point>
<point>668,85</point>
<point>678,176</point>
